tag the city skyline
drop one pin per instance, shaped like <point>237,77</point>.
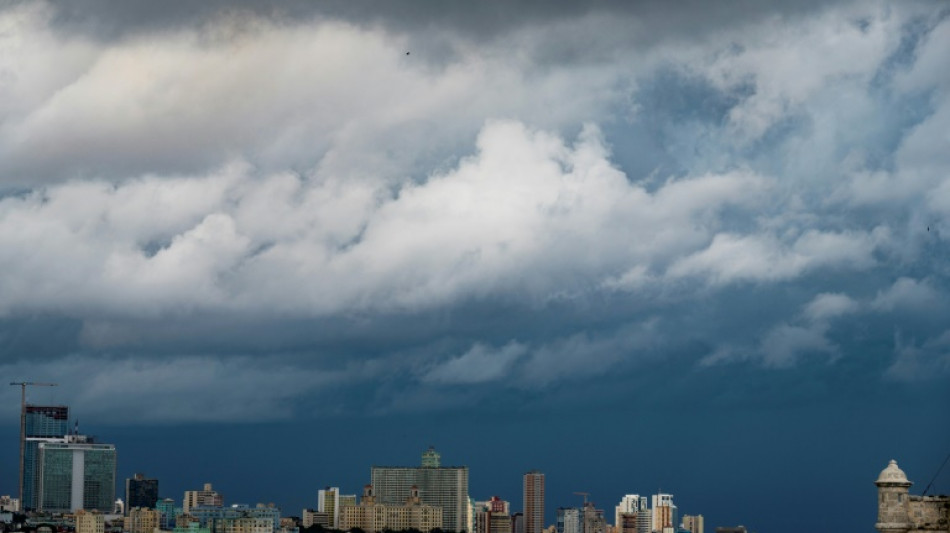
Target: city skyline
<point>693,248</point>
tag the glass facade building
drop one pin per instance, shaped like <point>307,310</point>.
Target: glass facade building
<point>166,507</point>
<point>75,475</point>
<point>140,491</point>
<point>42,423</point>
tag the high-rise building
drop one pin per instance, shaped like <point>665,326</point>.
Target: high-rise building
<point>75,474</point>
<point>140,492</point>
<point>439,486</point>
<point>90,522</point>
<point>645,521</point>
<point>629,504</point>
<point>693,523</point>
<point>569,520</point>
<point>328,501</point>
<point>592,520</point>
<point>533,502</point>
<point>664,512</point>
<point>517,523</point>
<point>628,515</point>
<point>42,423</point>
<point>207,497</point>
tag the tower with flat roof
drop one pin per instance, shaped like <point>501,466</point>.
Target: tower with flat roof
<point>445,487</point>
<point>533,501</point>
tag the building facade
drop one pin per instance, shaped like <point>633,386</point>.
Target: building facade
<point>207,497</point>
<point>42,423</point>
<point>438,486</point>
<point>569,520</point>
<point>492,516</point>
<point>143,520</point>
<point>373,516</point>
<point>533,502</point>
<point>223,519</point>
<point>141,492</point>
<point>693,523</point>
<point>328,502</point>
<point>664,512</point>
<point>312,517</point>
<point>625,514</point>
<point>9,504</point>
<point>75,474</point>
<point>592,519</point>
<point>900,512</point>
<point>90,522</point>
<point>517,523</point>
<point>167,511</point>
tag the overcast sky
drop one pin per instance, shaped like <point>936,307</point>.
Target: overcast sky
<point>703,249</point>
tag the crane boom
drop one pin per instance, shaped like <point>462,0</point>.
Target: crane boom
<point>23,385</point>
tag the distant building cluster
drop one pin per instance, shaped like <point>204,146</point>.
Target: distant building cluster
<point>68,482</point>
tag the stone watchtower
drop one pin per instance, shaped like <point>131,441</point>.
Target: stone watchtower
<point>893,503</point>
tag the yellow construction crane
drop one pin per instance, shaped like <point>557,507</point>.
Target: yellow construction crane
<point>585,495</point>
<point>23,385</point>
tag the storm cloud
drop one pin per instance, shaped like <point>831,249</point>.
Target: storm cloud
<point>255,213</point>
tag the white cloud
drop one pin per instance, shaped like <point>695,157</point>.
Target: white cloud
<point>829,305</point>
<point>733,258</point>
<point>783,345</point>
<point>528,214</point>
<point>907,293</point>
<point>479,364</point>
<point>930,360</point>
<point>788,64</point>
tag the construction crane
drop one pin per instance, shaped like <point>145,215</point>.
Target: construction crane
<point>23,385</point>
<point>585,495</point>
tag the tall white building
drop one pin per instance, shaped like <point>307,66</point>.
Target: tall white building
<point>569,520</point>
<point>328,501</point>
<point>630,504</point>
<point>664,512</point>
<point>439,486</point>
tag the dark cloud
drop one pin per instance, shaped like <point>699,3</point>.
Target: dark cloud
<point>680,230</point>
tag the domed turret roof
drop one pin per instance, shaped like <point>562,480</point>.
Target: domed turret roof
<point>892,474</point>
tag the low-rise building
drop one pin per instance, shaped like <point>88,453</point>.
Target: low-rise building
<point>312,518</point>
<point>90,522</point>
<point>373,517</point>
<point>143,520</point>
<point>10,504</point>
<point>900,512</point>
